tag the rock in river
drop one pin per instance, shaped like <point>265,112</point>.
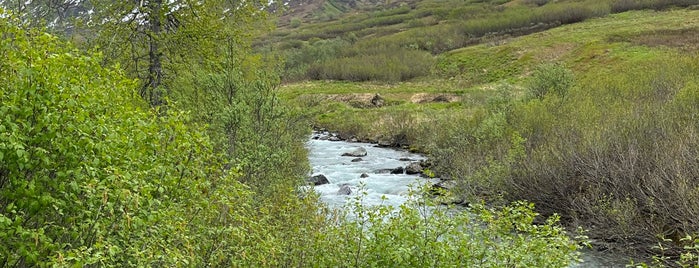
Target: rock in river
<point>344,190</point>
<point>413,168</point>
<point>359,152</point>
<point>319,179</point>
<point>398,170</point>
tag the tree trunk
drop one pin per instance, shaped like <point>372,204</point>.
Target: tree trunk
<point>151,90</point>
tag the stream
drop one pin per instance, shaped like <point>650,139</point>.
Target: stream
<point>380,186</point>
<point>325,158</point>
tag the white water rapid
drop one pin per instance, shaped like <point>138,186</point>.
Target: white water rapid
<point>325,158</point>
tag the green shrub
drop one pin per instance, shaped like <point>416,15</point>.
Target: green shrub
<point>550,79</point>
<point>419,235</point>
<point>90,176</point>
<point>619,6</point>
<point>396,65</point>
<point>295,23</point>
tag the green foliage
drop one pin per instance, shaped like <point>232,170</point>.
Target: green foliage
<point>152,39</point>
<point>626,5</point>
<point>90,176</point>
<point>550,79</point>
<point>295,23</point>
<point>298,61</point>
<point>591,152</point>
<point>418,234</point>
<point>394,66</point>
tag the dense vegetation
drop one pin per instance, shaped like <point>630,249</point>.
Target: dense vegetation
<point>159,140</point>
<point>595,121</point>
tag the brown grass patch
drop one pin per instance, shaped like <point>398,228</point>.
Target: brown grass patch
<point>555,52</point>
<point>427,98</point>
<point>683,39</point>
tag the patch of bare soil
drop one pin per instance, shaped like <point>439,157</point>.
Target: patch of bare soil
<point>556,51</point>
<point>431,97</point>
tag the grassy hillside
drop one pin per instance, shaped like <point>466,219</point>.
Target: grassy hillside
<point>475,73</point>
<point>396,41</point>
<point>595,121</point>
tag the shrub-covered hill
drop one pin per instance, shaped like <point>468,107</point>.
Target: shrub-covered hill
<point>395,41</point>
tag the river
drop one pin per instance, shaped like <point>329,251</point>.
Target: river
<point>325,158</point>
<point>385,188</point>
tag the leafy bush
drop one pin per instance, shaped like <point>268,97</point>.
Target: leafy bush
<point>297,61</point>
<point>550,79</point>
<point>418,234</point>
<point>625,5</point>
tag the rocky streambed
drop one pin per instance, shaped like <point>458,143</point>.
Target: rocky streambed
<point>343,168</point>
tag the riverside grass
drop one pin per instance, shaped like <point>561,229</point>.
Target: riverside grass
<point>502,144</point>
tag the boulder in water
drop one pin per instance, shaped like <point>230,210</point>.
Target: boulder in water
<point>357,160</point>
<point>364,175</point>
<point>344,190</point>
<point>413,168</point>
<point>384,143</point>
<point>319,179</point>
<point>383,171</point>
<point>398,170</point>
<point>359,152</point>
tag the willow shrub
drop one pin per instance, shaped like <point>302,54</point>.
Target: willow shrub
<point>617,150</point>
<point>389,65</point>
<point>421,234</point>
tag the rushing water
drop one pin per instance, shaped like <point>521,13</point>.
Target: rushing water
<point>326,158</point>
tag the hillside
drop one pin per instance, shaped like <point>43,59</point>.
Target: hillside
<point>586,108</point>
<point>318,11</point>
